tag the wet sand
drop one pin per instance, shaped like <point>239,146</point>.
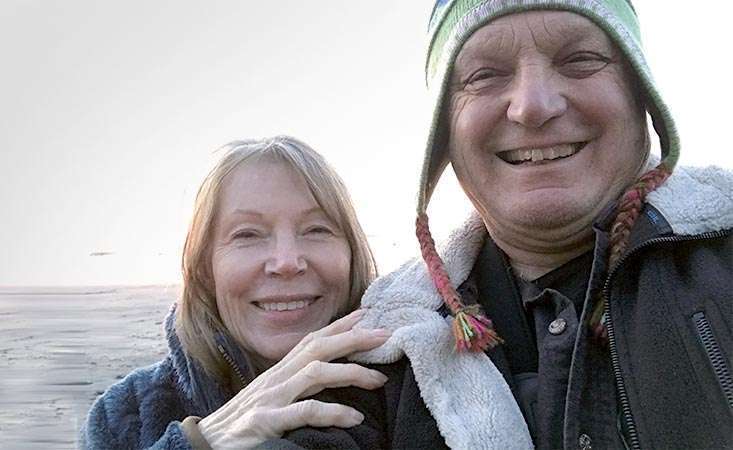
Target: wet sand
<point>62,347</point>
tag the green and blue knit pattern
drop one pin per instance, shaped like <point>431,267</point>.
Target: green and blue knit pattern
<point>454,21</point>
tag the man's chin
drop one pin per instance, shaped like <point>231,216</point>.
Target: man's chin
<point>553,215</point>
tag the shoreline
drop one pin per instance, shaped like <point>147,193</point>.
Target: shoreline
<point>61,347</point>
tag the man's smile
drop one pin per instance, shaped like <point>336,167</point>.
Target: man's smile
<point>538,155</point>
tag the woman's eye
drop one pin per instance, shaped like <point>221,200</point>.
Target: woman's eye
<point>319,230</point>
<point>246,235</point>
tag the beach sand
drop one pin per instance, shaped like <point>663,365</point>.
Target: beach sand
<point>60,348</point>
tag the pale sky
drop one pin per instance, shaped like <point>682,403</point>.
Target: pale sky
<point>110,112</point>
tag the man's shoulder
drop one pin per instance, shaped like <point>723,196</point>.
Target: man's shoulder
<point>410,286</point>
<point>696,200</point>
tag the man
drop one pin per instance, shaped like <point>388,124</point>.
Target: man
<point>595,282</point>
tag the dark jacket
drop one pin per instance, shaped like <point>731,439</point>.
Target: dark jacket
<point>145,409</point>
<point>670,302</point>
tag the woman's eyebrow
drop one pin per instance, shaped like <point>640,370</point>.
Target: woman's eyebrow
<point>247,212</point>
<point>227,222</point>
<point>312,211</point>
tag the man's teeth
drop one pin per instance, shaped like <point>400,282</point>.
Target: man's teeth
<point>283,306</point>
<point>541,154</point>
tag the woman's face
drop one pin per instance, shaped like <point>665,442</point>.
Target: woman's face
<point>281,267</point>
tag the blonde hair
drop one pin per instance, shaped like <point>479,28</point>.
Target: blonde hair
<point>197,316</point>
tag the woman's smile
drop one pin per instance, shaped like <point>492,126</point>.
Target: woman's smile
<point>286,303</point>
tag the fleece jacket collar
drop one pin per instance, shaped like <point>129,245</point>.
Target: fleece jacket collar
<point>204,392</point>
<point>696,200</point>
<point>468,397</point>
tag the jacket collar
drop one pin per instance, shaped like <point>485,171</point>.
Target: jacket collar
<point>696,200</point>
<point>692,201</point>
<point>206,393</point>
<point>649,225</point>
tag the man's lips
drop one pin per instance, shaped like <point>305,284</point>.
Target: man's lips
<point>537,155</point>
<point>286,303</point>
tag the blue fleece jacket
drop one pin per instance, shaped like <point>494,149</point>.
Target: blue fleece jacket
<point>145,409</point>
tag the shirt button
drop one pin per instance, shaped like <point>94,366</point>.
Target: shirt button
<point>584,442</point>
<point>557,326</point>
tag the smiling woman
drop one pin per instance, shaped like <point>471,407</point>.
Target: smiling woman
<point>281,265</point>
<point>274,254</point>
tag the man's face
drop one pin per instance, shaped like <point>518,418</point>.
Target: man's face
<point>544,128</point>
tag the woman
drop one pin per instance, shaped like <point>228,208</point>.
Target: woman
<point>274,253</point>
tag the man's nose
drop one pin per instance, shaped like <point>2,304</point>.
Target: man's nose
<point>287,259</point>
<point>534,98</point>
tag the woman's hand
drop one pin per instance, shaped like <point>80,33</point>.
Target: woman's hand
<point>269,405</point>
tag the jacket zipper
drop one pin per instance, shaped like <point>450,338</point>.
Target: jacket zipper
<point>628,418</point>
<point>705,332</point>
<point>232,364</point>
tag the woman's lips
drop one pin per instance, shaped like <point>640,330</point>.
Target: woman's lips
<point>285,304</point>
<point>541,155</point>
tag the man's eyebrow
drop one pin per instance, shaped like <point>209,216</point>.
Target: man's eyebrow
<point>584,32</point>
<point>587,36</point>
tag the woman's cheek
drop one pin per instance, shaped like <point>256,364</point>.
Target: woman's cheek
<point>234,271</point>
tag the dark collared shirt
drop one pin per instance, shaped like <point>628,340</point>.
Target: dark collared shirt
<point>539,322</point>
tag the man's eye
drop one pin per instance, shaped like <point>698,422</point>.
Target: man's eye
<point>584,64</point>
<point>483,75</point>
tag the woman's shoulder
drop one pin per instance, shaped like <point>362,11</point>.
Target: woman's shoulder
<point>137,409</point>
<point>142,383</point>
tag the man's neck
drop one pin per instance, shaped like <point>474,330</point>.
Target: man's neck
<point>532,260</point>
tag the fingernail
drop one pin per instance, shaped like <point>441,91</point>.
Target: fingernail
<point>380,332</point>
<point>380,377</point>
<point>357,417</point>
<point>358,313</point>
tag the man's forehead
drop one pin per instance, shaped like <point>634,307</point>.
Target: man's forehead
<point>546,28</point>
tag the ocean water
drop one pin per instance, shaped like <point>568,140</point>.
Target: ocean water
<point>60,348</point>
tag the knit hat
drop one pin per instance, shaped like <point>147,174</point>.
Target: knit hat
<point>451,24</point>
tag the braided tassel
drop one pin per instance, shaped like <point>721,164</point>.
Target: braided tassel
<point>629,208</point>
<point>598,322</point>
<point>472,330</point>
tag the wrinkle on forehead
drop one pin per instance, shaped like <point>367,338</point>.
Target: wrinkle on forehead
<point>496,38</point>
<point>548,30</point>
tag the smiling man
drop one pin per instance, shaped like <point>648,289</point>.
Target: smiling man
<point>545,127</point>
<point>587,303</point>
<point>597,281</point>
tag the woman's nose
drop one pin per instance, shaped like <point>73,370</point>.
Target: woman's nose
<point>286,260</point>
<point>535,99</point>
